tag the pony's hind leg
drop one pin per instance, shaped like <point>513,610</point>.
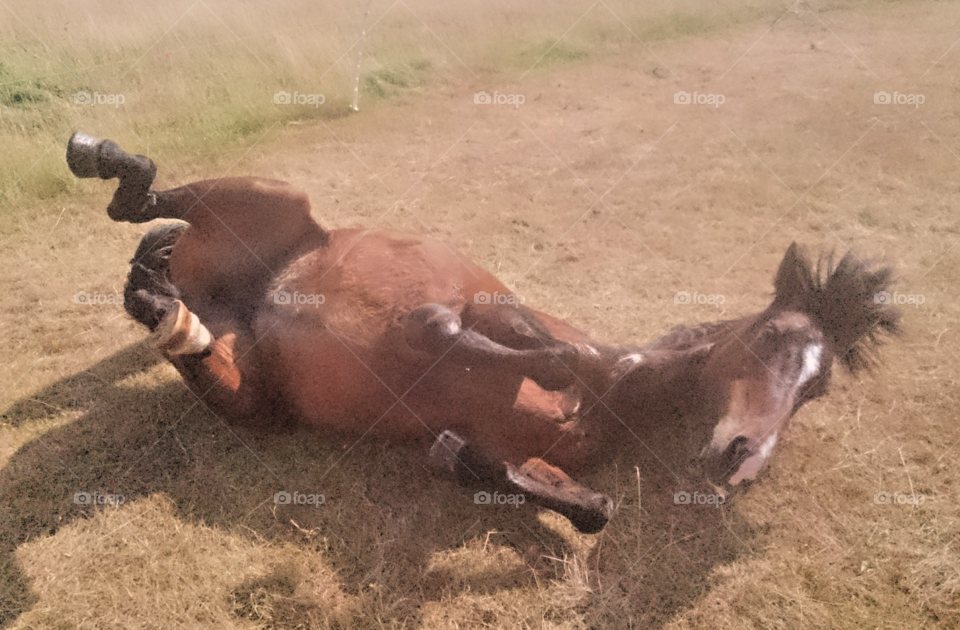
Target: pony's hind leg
<point>208,364</point>
<point>92,157</point>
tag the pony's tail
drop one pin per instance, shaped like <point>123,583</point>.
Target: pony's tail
<point>850,302</point>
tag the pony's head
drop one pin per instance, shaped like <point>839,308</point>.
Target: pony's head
<point>762,369</point>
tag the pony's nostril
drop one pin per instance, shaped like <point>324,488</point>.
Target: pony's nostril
<point>738,448</point>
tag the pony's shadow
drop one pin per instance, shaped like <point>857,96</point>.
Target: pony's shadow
<point>385,518</point>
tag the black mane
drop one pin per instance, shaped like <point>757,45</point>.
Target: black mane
<point>849,301</point>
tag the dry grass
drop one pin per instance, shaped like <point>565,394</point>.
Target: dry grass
<point>710,207</point>
<point>198,78</point>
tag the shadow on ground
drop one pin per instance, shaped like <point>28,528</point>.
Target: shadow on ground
<point>127,426</point>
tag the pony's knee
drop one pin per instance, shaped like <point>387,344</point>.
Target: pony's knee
<point>431,328</point>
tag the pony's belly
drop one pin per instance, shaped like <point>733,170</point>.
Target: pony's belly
<point>334,387</point>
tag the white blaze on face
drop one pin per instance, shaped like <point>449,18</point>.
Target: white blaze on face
<point>752,465</point>
<point>811,363</point>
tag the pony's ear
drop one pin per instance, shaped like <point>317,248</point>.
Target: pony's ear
<point>793,276</point>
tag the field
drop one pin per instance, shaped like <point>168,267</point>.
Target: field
<point>598,198</point>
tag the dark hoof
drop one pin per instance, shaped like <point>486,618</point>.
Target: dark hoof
<point>592,519</point>
<point>588,511</point>
<point>431,328</point>
<point>82,155</point>
<point>88,156</point>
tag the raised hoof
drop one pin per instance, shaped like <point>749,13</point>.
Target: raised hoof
<point>82,155</point>
<point>180,332</point>
<point>88,156</point>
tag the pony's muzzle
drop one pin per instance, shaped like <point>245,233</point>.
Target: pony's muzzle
<point>741,460</point>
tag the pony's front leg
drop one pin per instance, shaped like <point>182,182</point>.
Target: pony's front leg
<point>534,479</point>
<point>438,331</point>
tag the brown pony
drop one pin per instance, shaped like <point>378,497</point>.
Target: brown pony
<point>268,317</point>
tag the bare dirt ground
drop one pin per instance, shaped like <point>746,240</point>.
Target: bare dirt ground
<point>598,199</point>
